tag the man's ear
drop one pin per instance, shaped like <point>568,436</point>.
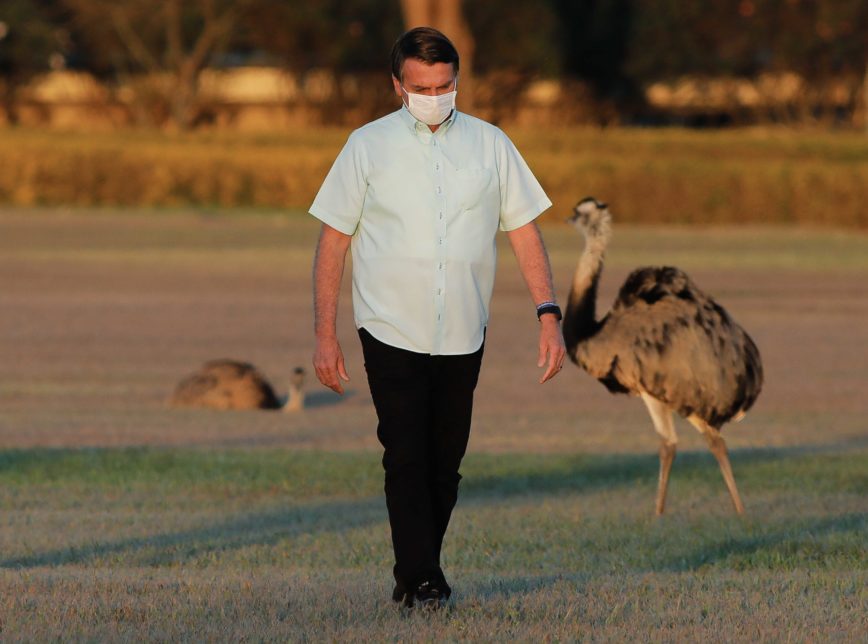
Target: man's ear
<point>397,85</point>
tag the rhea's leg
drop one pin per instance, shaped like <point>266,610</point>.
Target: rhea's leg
<point>718,447</point>
<point>661,416</point>
<point>667,456</point>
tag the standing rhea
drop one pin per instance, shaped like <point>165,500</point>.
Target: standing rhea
<point>664,340</point>
<point>230,384</point>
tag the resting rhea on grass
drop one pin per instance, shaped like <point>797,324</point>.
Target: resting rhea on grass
<point>664,340</point>
<point>230,384</point>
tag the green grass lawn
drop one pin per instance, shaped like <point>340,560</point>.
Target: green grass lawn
<point>276,544</point>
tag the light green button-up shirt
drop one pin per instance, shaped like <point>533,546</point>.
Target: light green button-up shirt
<point>423,210</point>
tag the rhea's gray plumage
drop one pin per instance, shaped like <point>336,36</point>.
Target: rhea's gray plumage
<point>230,384</point>
<point>665,340</point>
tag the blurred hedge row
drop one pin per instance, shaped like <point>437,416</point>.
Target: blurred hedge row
<point>733,176</point>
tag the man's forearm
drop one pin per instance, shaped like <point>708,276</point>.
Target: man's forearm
<point>534,265</point>
<point>328,269</point>
<point>527,244</point>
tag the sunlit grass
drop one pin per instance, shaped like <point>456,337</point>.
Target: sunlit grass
<point>186,542</point>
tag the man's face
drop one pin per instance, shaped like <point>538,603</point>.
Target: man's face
<point>421,78</point>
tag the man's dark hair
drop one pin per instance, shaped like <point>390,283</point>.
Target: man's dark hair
<point>426,44</point>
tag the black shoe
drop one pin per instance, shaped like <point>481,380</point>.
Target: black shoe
<point>400,595</point>
<point>430,596</point>
<point>446,591</point>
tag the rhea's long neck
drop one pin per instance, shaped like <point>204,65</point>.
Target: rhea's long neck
<point>295,400</point>
<point>580,321</point>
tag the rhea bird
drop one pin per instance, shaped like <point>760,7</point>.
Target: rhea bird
<point>231,384</point>
<point>665,340</point>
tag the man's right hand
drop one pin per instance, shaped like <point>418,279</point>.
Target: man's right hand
<point>328,267</point>
<point>328,362</point>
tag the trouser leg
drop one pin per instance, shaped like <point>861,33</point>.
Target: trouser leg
<point>400,387</point>
<point>424,406</point>
<point>454,381</point>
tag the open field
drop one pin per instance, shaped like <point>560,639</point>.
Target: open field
<point>122,519</point>
<point>677,176</point>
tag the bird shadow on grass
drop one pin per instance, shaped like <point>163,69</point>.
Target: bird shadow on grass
<point>592,472</point>
<point>810,541</point>
<point>814,539</point>
<point>788,546</point>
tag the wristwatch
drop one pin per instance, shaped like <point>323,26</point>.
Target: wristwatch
<point>548,307</point>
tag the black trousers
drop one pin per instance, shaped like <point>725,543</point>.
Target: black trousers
<point>423,404</point>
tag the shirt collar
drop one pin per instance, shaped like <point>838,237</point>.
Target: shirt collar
<point>417,126</point>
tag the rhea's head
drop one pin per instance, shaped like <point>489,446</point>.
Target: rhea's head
<point>592,218</point>
<point>297,380</point>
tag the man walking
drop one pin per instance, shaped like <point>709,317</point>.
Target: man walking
<point>419,196</point>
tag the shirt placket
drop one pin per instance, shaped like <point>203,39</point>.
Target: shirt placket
<point>440,253</point>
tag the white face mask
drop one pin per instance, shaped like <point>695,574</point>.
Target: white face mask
<point>431,110</point>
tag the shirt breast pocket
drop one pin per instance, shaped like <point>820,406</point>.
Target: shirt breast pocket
<point>476,189</point>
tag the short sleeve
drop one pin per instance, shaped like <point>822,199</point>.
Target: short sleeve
<point>522,198</point>
<point>342,194</point>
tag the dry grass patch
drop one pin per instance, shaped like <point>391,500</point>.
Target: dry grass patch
<point>664,175</point>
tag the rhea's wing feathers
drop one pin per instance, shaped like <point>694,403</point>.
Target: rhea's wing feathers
<point>233,383</point>
<point>648,348</point>
<point>753,374</point>
<point>653,283</point>
<point>193,387</point>
<point>228,368</point>
<point>664,336</point>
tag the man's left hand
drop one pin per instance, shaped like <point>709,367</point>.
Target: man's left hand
<point>551,347</point>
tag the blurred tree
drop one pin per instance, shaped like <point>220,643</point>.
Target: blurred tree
<point>342,35</point>
<point>172,41</point>
<point>521,37</point>
<point>594,41</point>
<point>822,37</point>
<point>28,38</point>
<point>616,45</point>
<point>815,38</point>
<point>447,16</point>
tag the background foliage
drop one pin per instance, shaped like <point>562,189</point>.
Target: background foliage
<point>655,175</point>
<point>613,43</point>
